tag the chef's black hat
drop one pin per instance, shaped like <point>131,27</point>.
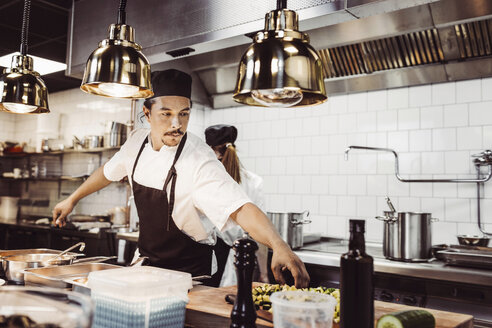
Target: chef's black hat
<point>220,134</point>
<point>171,82</point>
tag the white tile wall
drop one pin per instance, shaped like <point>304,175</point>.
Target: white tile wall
<point>435,129</point>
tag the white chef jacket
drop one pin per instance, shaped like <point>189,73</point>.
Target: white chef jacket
<point>252,184</point>
<point>205,193</point>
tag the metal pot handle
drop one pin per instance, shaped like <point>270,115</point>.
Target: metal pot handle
<point>95,259</point>
<point>385,218</point>
<point>434,220</point>
<point>305,214</point>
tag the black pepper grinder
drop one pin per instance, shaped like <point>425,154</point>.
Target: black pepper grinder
<point>243,313</point>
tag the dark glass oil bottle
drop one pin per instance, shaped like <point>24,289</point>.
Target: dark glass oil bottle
<point>356,281</point>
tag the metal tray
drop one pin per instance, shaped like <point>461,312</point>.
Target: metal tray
<point>460,255</point>
<point>56,276</point>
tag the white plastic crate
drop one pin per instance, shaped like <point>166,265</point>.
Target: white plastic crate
<point>139,297</point>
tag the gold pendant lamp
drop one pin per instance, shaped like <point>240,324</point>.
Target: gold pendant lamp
<point>280,68</point>
<point>117,68</point>
<point>22,91</point>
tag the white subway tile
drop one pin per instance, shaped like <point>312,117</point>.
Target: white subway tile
<point>347,167</point>
<point>279,129</point>
<point>230,116</point>
<point>262,166</point>
<point>447,190</point>
<point>359,139</point>
<point>386,163</point>
<point>467,190</point>
<point>367,206</point>
<point>302,146</point>
<point>293,203</point>
<point>301,112</point>
<point>374,231</point>
<point>327,205</point>
<point>377,100</point>
<point>347,205</point>
<point>468,91</point>
<point>249,130</point>
<point>347,123</point>
<point>367,163</point>
<point>378,139</point>
<point>278,165</point>
<point>398,141</point>
<point>457,210</point>
<point>487,136</point>
<point>319,224</point>
<point>377,185</point>
<point>444,139</point>
<point>398,98</point>
<point>468,229</point>
<point>420,96</point>
<point>310,165</point>
<point>256,147</point>
<point>243,114</point>
<point>275,203</point>
<point>310,203</point>
<point>302,184</point>
<point>469,138</point>
<point>338,104</point>
<point>270,147</point>
<point>398,188</point>
<point>408,119</point>
<point>264,130</point>
<point>286,184</point>
<point>486,86</point>
<point>328,164</point>
<point>456,162</point>
<point>444,233</point>
<point>356,185</point>
<point>387,120</point>
<point>444,93</point>
<point>337,227</point>
<point>431,117</point>
<point>420,140</point>
<point>409,204</point>
<point>338,143</point>
<point>432,163</point>
<point>328,124</point>
<point>310,126</point>
<point>320,185</point>
<point>294,127</point>
<point>271,113</point>
<point>357,102</point>
<point>421,189</point>
<point>456,115</point>
<point>338,185</point>
<point>293,165</point>
<point>409,163</point>
<point>480,113</point>
<point>366,122</point>
<point>320,145</point>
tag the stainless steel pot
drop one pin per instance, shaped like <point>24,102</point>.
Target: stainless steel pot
<point>289,226</point>
<point>407,236</point>
<point>14,265</point>
<point>91,142</point>
<point>114,134</point>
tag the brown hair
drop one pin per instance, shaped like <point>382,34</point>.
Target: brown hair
<point>230,160</point>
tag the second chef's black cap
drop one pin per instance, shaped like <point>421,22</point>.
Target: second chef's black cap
<point>171,82</point>
<point>220,134</point>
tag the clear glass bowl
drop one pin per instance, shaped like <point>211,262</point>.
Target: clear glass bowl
<point>44,307</point>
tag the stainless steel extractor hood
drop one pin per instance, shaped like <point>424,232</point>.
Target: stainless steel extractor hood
<point>364,44</point>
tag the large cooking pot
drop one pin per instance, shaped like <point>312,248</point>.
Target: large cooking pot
<point>14,265</point>
<point>114,134</point>
<point>407,236</point>
<point>289,226</point>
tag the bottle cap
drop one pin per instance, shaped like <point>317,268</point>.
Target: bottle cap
<point>357,226</point>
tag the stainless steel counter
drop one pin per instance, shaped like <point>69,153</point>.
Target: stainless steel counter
<point>327,253</point>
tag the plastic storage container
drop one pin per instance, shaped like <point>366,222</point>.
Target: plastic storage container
<point>302,309</point>
<point>139,297</point>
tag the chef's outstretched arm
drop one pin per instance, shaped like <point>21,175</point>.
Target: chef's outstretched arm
<point>257,224</point>
<point>95,182</point>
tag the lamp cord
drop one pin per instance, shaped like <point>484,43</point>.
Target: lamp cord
<point>281,4</point>
<point>25,27</point>
<point>122,13</point>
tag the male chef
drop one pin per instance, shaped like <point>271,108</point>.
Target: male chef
<point>178,184</point>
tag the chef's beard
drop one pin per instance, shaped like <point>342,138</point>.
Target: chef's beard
<point>171,140</point>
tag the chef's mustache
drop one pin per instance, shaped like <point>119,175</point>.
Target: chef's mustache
<point>175,131</point>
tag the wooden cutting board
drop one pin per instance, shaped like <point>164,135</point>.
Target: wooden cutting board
<point>208,309</point>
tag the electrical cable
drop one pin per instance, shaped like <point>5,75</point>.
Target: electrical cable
<point>122,12</point>
<point>25,26</point>
<point>281,4</point>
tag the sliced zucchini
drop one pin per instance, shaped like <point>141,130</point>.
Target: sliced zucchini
<point>407,319</point>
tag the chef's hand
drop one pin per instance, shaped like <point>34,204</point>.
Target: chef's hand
<point>61,210</point>
<point>284,259</point>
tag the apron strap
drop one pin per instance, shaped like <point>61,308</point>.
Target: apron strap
<point>138,156</point>
<point>171,177</point>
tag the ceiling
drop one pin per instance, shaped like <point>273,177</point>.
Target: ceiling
<point>47,35</point>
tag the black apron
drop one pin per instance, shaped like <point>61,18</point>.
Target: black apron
<point>160,239</point>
